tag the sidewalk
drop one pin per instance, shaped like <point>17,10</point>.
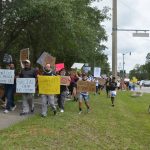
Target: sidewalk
<point>14,117</point>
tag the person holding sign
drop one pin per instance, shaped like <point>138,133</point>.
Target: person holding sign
<point>84,96</point>
<point>28,100</point>
<point>9,93</point>
<point>48,98</point>
<point>63,90</point>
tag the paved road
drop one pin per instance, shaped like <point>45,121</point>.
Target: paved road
<point>144,89</point>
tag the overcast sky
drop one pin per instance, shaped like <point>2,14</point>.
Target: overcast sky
<point>132,14</point>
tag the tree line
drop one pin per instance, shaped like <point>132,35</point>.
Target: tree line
<point>70,30</point>
<point>142,72</point>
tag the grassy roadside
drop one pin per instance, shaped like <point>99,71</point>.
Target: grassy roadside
<point>126,126</point>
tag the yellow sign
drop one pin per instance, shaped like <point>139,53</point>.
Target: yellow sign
<point>49,84</point>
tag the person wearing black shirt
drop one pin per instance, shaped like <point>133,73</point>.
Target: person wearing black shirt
<point>28,100</point>
<point>113,87</point>
<point>62,95</point>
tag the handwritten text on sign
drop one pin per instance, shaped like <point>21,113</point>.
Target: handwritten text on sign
<point>49,84</point>
<point>65,80</point>
<point>86,86</point>
<point>25,85</point>
<point>6,76</point>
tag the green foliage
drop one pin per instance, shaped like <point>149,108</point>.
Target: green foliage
<point>70,30</point>
<point>142,72</point>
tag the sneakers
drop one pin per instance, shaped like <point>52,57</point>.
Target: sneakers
<point>43,116</point>
<point>61,110</point>
<point>32,110</point>
<point>6,111</point>
<point>80,112</point>
<point>13,108</point>
<point>88,110</point>
<point>23,113</point>
<point>112,105</point>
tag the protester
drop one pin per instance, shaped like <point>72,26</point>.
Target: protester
<point>97,85</point>
<point>84,96</point>
<point>107,84</point>
<point>63,92</point>
<point>73,85</point>
<point>28,99</point>
<point>113,87</point>
<point>48,99</point>
<point>9,92</point>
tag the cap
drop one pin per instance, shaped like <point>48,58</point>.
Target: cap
<point>28,61</point>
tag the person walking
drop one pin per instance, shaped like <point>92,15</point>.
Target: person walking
<point>27,98</point>
<point>63,90</point>
<point>113,93</point>
<point>84,96</point>
<point>9,92</point>
<point>48,99</point>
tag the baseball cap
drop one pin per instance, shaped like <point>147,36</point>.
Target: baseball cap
<point>28,61</point>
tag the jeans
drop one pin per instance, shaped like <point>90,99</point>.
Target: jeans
<point>47,100</point>
<point>61,100</point>
<point>9,92</point>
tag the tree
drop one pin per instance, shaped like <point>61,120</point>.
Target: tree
<point>70,30</point>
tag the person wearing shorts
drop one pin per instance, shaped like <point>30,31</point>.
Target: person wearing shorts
<point>84,96</point>
<point>113,93</point>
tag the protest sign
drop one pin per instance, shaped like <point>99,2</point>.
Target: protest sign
<point>102,81</point>
<point>59,66</point>
<point>65,80</point>
<point>49,84</point>
<point>24,54</point>
<point>46,58</point>
<point>86,69</point>
<point>7,76</point>
<point>25,85</point>
<point>86,86</point>
<point>77,65</point>
<point>97,72</point>
<point>7,58</point>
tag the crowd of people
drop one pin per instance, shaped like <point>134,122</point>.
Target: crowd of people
<point>111,86</point>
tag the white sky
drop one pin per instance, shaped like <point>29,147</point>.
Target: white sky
<point>132,14</point>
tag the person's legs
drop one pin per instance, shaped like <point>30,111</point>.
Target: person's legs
<point>25,105</point>
<point>59,100</point>
<point>112,100</point>
<point>44,105</point>
<point>86,100</point>
<point>80,103</point>
<point>31,102</point>
<point>51,101</point>
<point>62,100</point>
<point>9,98</point>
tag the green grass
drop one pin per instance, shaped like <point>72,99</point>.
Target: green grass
<point>124,127</point>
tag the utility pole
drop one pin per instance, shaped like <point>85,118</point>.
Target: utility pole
<point>123,68</point>
<point>114,39</point>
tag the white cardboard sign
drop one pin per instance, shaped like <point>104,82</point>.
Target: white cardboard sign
<point>6,76</point>
<point>25,85</point>
<point>97,72</point>
<point>77,65</point>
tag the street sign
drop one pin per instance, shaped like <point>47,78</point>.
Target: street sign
<point>140,34</point>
